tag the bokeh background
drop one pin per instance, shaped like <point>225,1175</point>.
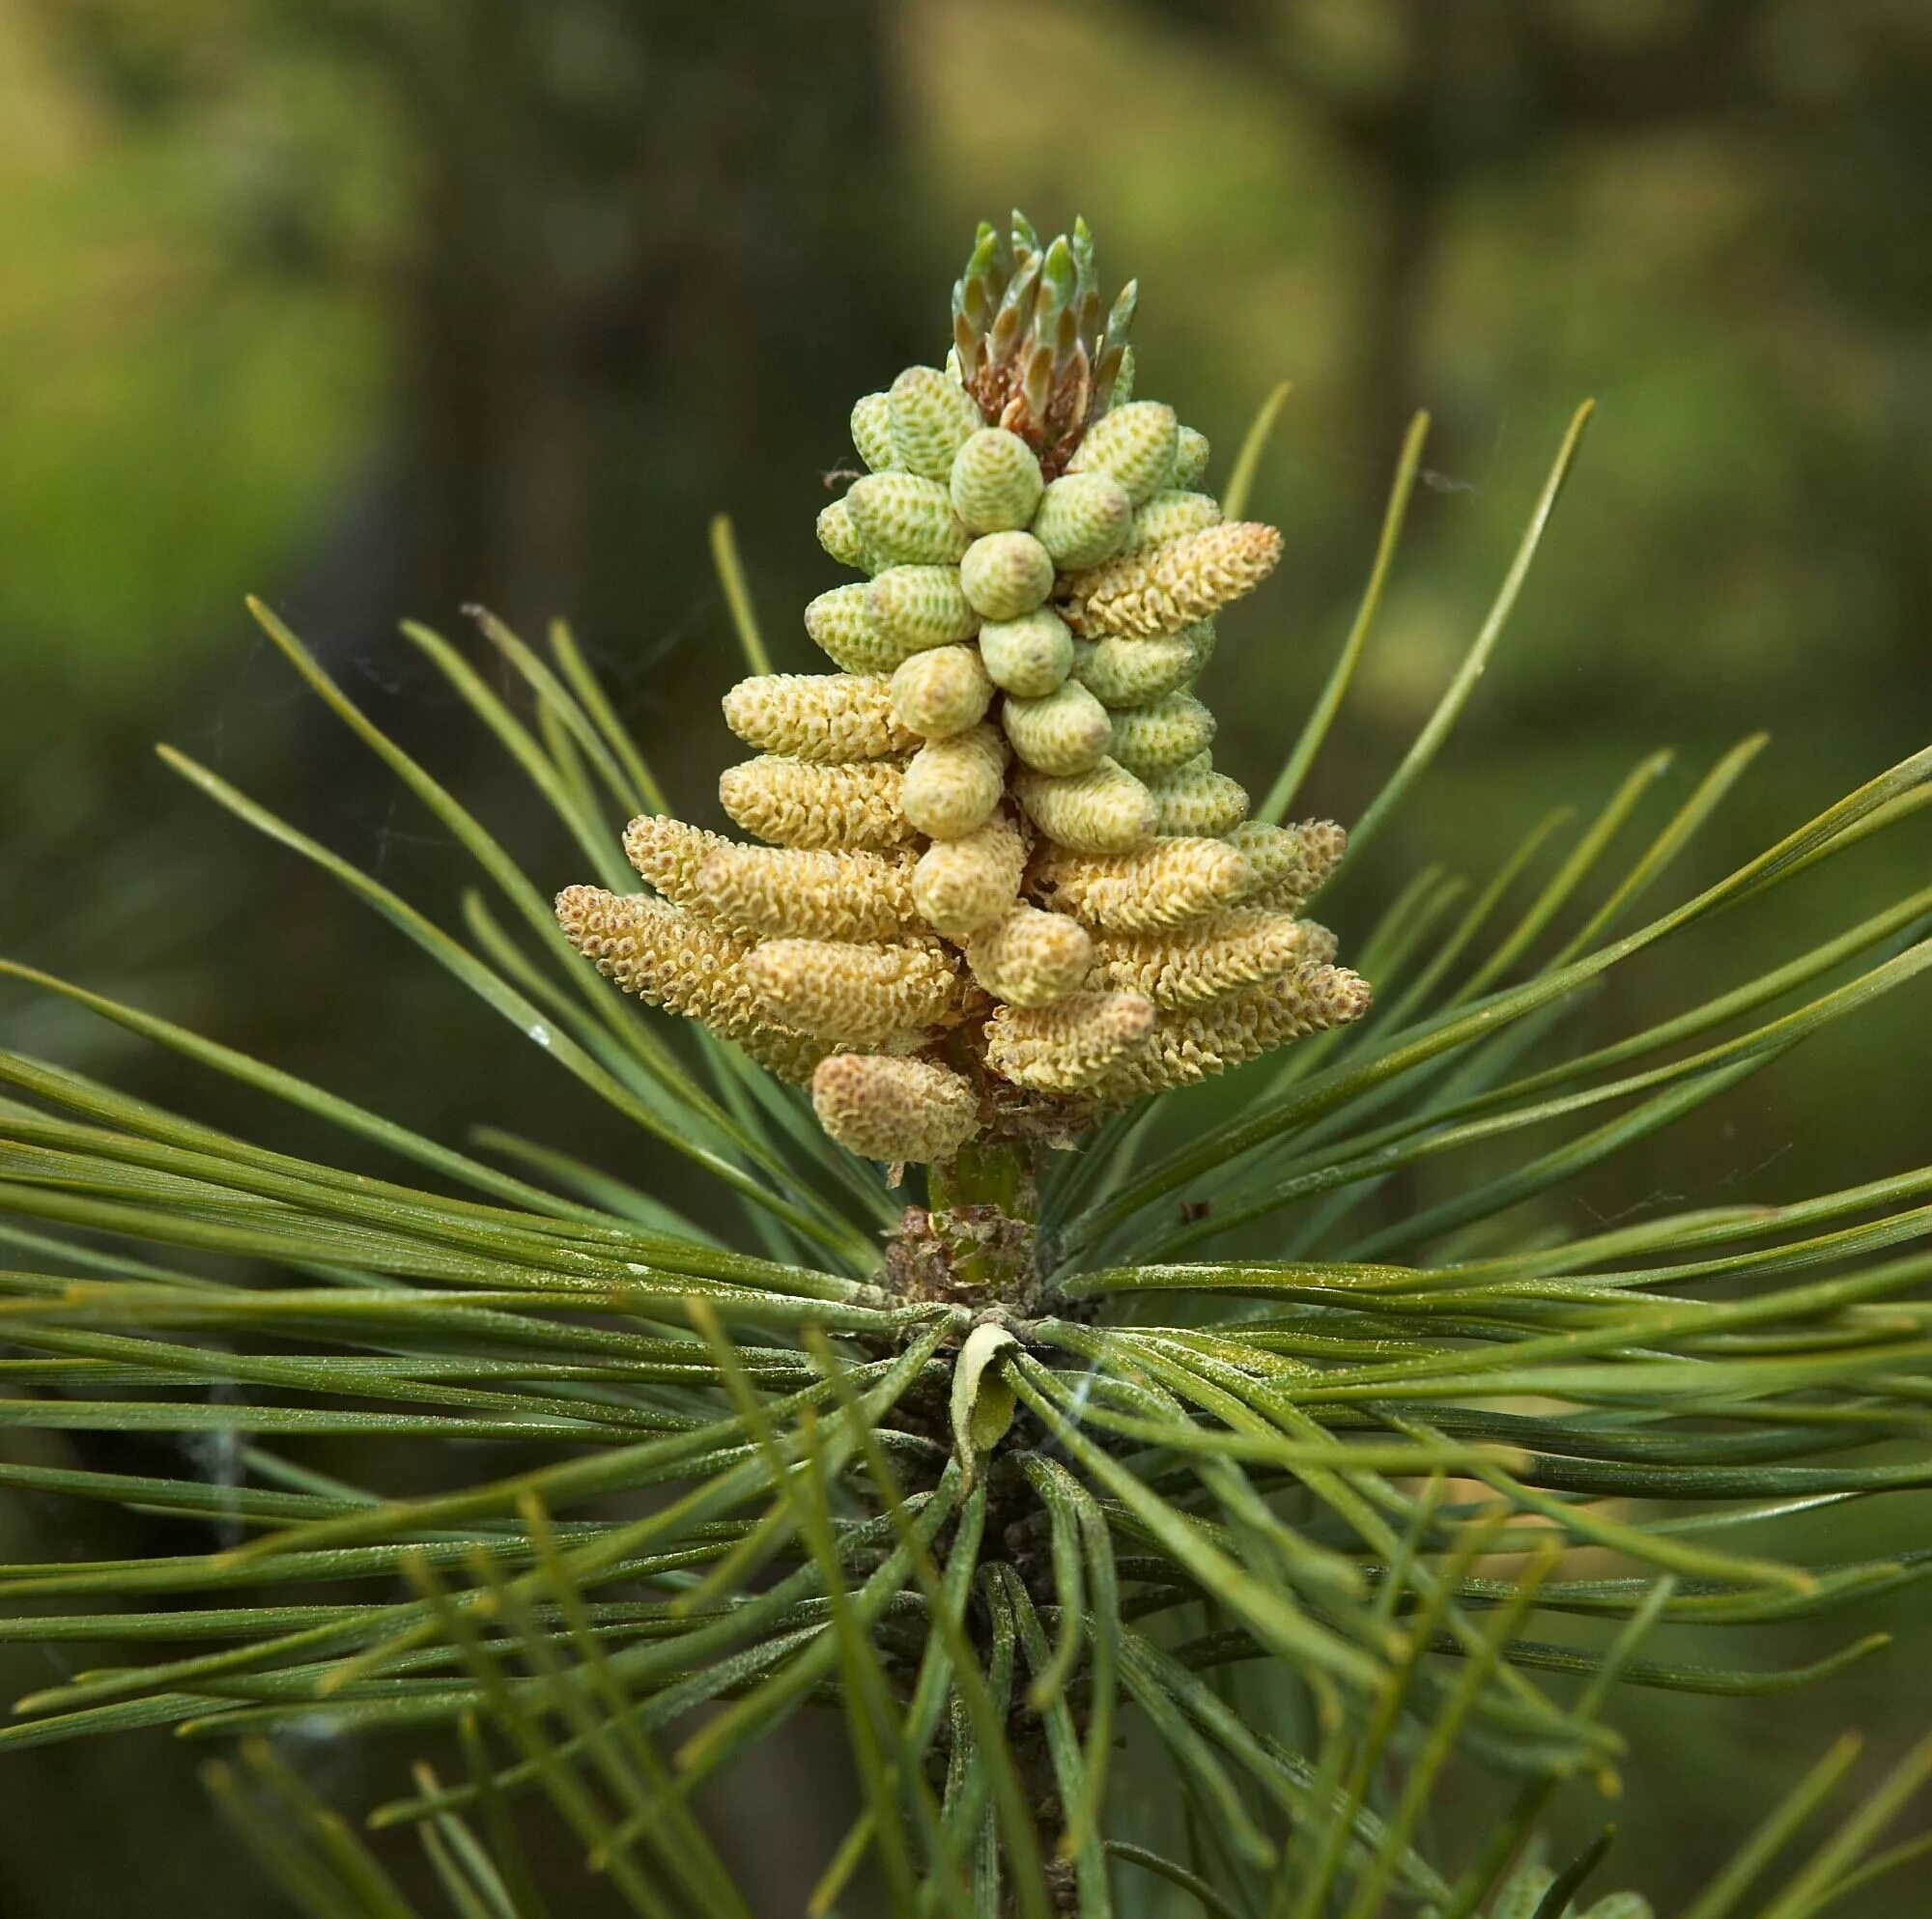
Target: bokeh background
<point>384,307</point>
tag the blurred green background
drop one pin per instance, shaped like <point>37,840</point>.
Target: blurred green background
<point>383,307</point>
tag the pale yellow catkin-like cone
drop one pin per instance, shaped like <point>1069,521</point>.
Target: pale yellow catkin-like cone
<point>1172,514</point>
<point>873,432</point>
<point>1187,1046</point>
<point>1318,946</point>
<point>672,959</point>
<point>942,691</point>
<point>844,628</point>
<point>1165,589</point>
<point>1195,801</point>
<point>917,607</point>
<point>1130,672</point>
<point>793,802</point>
<point>1031,958</point>
<point>910,1111</point>
<point>995,482</point>
<point>932,417</point>
<point>960,886</point>
<point>778,892</point>
<point>1105,810</point>
<point>1156,738</point>
<point>669,852</point>
<point>1289,864</point>
<point>1135,444</point>
<point>906,520</point>
<point>827,717</point>
<point>1006,576</point>
<point>1066,1047</point>
<point>953,785</point>
<point>857,994</point>
<point>1067,731</point>
<point>1083,519</point>
<point>838,534</point>
<point>1205,960</point>
<point>1029,656</point>
<point>1153,890</point>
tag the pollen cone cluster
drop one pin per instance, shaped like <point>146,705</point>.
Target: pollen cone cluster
<point>1003,886</point>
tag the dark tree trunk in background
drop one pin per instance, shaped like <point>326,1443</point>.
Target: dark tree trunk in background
<point>631,219</point>
<point>1460,88</point>
<point>1406,199</point>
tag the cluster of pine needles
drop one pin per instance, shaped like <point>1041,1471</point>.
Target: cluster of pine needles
<point>1173,1589</point>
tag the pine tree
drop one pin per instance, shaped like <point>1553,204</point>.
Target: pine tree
<point>1013,1456</point>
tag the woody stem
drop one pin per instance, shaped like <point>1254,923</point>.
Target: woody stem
<point>985,1205</point>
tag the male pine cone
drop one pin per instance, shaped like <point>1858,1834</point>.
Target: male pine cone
<point>1004,888</point>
